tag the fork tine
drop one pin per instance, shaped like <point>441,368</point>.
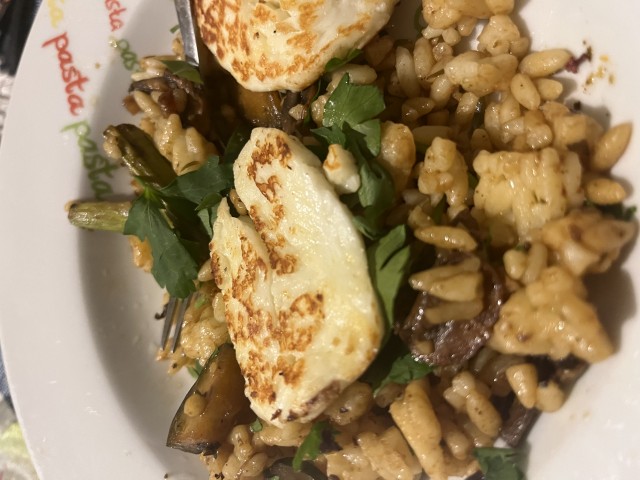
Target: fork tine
<point>168,320</point>
<point>180,321</point>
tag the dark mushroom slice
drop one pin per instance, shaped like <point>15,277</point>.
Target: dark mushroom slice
<point>457,340</point>
<point>283,469</point>
<point>520,419</point>
<point>519,422</point>
<point>180,96</point>
<point>212,407</point>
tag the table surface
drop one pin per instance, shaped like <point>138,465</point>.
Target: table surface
<point>16,17</point>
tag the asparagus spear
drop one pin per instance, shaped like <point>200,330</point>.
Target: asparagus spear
<point>140,155</point>
<point>106,216</point>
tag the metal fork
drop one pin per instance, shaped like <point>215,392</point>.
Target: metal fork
<point>176,307</point>
<point>189,31</point>
<point>174,316</point>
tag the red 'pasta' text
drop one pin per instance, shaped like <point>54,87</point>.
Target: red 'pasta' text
<point>115,11</point>
<point>72,77</point>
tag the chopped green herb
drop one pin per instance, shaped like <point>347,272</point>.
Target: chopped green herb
<point>498,463</point>
<point>521,247</point>
<point>201,300</point>
<point>236,143</point>
<point>349,121</point>
<point>372,132</point>
<point>177,220</point>
<point>184,70</point>
<point>256,426</point>
<point>352,104</point>
<point>331,135</point>
<point>175,28</point>
<point>404,370</point>
<point>173,264</point>
<point>376,189</point>
<point>310,447</point>
<point>389,263</point>
<point>195,370</point>
<point>617,211</point>
<point>208,211</point>
<point>368,227</point>
<point>195,186</point>
<point>336,63</point>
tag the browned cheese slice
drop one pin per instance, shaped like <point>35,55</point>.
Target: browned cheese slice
<point>300,306</point>
<point>285,45</point>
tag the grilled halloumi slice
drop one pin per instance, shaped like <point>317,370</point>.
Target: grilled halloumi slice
<point>300,306</point>
<point>274,45</point>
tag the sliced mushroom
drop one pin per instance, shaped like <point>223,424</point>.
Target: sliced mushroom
<point>456,340</point>
<point>520,419</point>
<point>182,97</point>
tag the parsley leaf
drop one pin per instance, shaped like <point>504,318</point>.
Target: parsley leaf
<point>184,70</point>
<point>404,370</point>
<point>498,463</point>
<point>372,132</point>
<point>617,210</point>
<point>236,142</point>
<point>331,135</point>
<point>336,63</point>
<point>310,447</point>
<point>349,121</point>
<point>376,189</point>
<point>195,370</point>
<point>208,211</point>
<point>256,426</point>
<point>353,104</point>
<point>177,219</point>
<point>212,176</point>
<point>173,264</point>
<point>203,188</point>
<point>389,263</point>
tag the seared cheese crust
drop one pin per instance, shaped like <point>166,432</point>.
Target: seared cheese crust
<point>275,45</point>
<point>300,306</point>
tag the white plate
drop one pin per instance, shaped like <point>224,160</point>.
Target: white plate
<point>76,317</point>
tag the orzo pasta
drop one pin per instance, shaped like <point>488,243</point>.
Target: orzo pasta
<point>481,203</point>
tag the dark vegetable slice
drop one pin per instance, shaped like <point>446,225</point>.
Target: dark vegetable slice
<point>284,470</point>
<point>261,109</point>
<point>519,422</point>
<point>457,340</point>
<point>289,124</point>
<point>214,404</point>
<point>181,96</point>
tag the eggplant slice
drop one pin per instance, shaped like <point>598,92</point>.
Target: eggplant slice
<point>212,407</point>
